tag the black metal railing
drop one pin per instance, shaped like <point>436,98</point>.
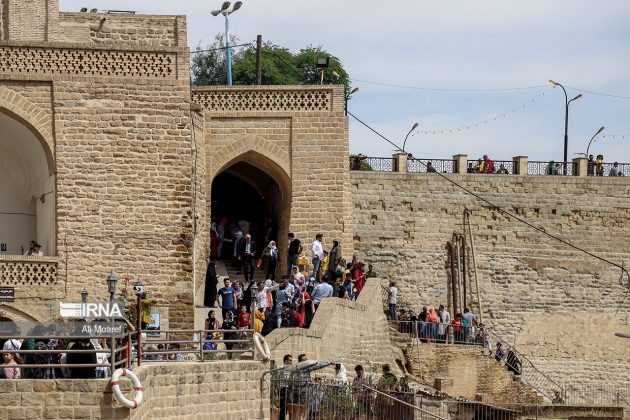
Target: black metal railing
<point>609,169</point>
<point>549,168</point>
<point>376,164</point>
<point>430,165</point>
<point>496,167</point>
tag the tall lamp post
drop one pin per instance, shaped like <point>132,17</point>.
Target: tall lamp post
<point>346,95</point>
<point>415,125</point>
<point>138,289</point>
<point>254,293</point>
<point>593,138</point>
<point>226,11</point>
<point>566,120</point>
<point>111,289</point>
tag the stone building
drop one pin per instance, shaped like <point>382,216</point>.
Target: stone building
<point>112,162</point>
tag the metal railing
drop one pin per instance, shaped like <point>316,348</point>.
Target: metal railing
<point>195,345</point>
<point>377,164</point>
<point>498,167</point>
<point>322,400</point>
<point>430,165</point>
<point>622,169</point>
<point>45,360</point>
<point>549,168</point>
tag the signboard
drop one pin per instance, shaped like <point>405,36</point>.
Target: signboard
<point>7,294</point>
<point>153,329</point>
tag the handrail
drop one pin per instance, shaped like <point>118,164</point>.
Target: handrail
<point>428,413</point>
<point>533,380</point>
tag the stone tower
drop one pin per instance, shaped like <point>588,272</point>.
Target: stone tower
<point>32,20</point>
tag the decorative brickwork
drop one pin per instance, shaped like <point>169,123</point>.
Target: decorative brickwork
<point>287,100</point>
<point>104,63</point>
<point>28,271</point>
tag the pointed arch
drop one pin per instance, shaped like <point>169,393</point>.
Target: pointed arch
<point>16,315</point>
<point>254,148</point>
<point>32,117</point>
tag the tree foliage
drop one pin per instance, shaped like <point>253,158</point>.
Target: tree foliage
<point>280,66</point>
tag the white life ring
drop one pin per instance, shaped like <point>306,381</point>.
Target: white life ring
<point>262,347</point>
<point>137,398</point>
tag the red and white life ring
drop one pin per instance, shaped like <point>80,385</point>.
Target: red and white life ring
<point>262,347</point>
<point>137,398</point>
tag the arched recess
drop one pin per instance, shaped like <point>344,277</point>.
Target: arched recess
<point>266,160</point>
<point>27,176</point>
<point>32,117</point>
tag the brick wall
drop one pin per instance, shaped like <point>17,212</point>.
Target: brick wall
<point>556,302</point>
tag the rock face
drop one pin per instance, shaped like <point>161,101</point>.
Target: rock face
<point>557,303</point>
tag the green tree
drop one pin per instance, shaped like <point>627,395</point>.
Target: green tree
<point>279,65</point>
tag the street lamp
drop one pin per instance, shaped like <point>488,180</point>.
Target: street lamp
<point>566,120</point>
<point>138,290</point>
<point>346,95</point>
<point>111,286</point>
<point>415,125</point>
<point>84,295</point>
<point>593,138</point>
<point>226,11</point>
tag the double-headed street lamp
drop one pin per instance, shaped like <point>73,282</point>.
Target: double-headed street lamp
<point>593,138</point>
<point>566,120</point>
<point>226,11</point>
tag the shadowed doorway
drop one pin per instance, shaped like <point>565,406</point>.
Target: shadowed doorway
<point>251,200</point>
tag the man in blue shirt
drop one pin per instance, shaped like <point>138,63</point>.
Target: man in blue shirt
<point>321,291</point>
<point>227,296</point>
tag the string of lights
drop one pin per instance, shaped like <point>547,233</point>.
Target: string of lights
<point>502,210</point>
<point>484,122</point>
<point>615,136</point>
<point>447,89</point>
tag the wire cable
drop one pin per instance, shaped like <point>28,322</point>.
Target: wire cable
<point>220,48</point>
<point>501,210</point>
<point>448,89</point>
<point>597,93</point>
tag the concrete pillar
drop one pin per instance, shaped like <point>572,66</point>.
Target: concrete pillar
<point>400,162</point>
<point>581,166</point>
<point>520,165</point>
<point>461,164</point>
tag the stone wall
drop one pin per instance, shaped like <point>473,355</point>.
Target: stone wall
<point>298,135</point>
<point>108,28</point>
<point>185,390</point>
<point>349,332</point>
<point>462,371</point>
<point>556,302</point>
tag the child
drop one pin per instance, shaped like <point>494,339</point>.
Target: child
<point>11,371</point>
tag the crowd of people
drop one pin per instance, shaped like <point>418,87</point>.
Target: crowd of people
<point>54,352</point>
<point>299,396</point>
<point>295,297</point>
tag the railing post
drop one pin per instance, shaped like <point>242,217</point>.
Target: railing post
<point>461,164</point>
<point>400,162</point>
<point>520,165</point>
<point>581,166</point>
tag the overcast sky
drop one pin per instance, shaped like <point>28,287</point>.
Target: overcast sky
<point>484,44</point>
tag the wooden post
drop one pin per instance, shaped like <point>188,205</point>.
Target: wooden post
<point>259,60</point>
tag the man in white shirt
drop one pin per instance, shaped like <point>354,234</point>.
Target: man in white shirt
<point>393,299</point>
<point>318,254</point>
<point>445,322</point>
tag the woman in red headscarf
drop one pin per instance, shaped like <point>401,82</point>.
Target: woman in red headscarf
<point>359,279</point>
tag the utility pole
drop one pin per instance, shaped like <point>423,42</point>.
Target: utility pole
<point>259,60</point>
